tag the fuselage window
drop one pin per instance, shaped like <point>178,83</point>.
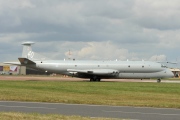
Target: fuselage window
<point>143,66</point>
<point>129,66</point>
<point>75,65</point>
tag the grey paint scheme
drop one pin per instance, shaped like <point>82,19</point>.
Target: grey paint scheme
<point>106,69</point>
<point>94,69</point>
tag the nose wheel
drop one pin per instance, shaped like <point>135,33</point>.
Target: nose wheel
<point>158,80</point>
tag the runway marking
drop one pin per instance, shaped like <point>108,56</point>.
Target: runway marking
<point>26,107</point>
<point>144,113</point>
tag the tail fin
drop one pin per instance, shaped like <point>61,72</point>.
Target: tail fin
<point>27,50</point>
<point>29,54</point>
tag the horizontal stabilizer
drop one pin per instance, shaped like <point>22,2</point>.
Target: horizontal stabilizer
<point>12,63</point>
<point>25,61</point>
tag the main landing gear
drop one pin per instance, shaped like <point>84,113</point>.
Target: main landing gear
<point>158,80</point>
<point>93,79</point>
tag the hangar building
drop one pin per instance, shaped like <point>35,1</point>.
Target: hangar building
<point>8,69</point>
<point>176,72</point>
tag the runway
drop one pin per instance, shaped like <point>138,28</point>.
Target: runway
<point>52,78</point>
<point>135,113</point>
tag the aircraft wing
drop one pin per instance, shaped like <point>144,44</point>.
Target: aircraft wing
<point>167,62</point>
<point>94,71</point>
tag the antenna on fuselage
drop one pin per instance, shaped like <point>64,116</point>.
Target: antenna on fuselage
<point>69,54</point>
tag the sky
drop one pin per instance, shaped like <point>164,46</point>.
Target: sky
<point>91,29</point>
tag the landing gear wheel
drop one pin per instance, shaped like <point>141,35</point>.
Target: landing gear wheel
<point>91,79</point>
<point>98,79</point>
<point>94,79</point>
<point>158,80</point>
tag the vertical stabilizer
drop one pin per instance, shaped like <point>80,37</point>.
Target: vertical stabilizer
<point>27,50</point>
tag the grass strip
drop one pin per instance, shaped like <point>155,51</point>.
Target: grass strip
<point>166,95</point>
<point>36,116</point>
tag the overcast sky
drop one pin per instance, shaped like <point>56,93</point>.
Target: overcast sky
<point>91,29</point>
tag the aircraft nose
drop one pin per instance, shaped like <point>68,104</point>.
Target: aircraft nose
<point>170,74</point>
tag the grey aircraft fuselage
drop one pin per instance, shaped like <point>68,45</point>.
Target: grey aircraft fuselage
<point>105,69</point>
<point>95,70</point>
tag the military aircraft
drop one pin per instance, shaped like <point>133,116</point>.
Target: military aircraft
<point>94,70</point>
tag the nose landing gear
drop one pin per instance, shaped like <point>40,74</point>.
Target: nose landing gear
<point>158,80</point>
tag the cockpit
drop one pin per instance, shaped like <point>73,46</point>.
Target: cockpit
<point>163,66</point>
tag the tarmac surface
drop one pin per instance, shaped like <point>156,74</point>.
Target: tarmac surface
<point>93,111</point>
<point>60,78</point>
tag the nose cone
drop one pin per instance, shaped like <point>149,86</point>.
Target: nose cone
<point>169,73</point>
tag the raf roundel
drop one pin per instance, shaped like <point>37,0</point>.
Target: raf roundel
<point>30,54</point>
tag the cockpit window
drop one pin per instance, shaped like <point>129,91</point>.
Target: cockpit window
<point>163,66</point>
